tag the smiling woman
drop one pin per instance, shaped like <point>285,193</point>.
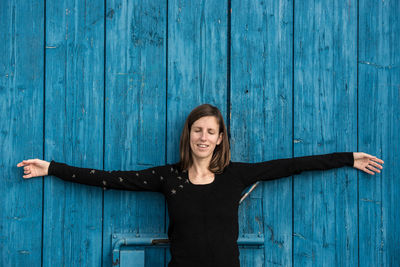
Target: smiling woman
<point>204,144</point>
<point>204,188</point>
<point>204,137</point>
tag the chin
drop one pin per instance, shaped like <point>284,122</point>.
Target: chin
<point>200,155</point>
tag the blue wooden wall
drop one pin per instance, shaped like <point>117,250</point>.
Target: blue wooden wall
<point>108,85</point>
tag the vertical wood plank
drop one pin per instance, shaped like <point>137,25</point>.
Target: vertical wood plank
<point>379,128</point>
<point>261,120</point>
<point>197,57</point>
<point>21,131</point>
<point>197,64</point>
<point>135,116</point>
<point>74,130</point>
<point>325,203</point>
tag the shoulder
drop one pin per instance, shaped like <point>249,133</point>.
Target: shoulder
<point>172,168</point>
<point>234,164</point>
<point>160,169</point>
<point>234,173</point>
<point>232,167</point>
<point>238,167</point>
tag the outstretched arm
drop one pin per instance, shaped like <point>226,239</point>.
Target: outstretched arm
<point>150,179</point>
<point>274,169</point>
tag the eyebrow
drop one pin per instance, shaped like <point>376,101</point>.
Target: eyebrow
<point>202,128</point>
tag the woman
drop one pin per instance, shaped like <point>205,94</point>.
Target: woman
<point>203,189</point>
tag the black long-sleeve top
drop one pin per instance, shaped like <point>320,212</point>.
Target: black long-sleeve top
<point>203,228</point>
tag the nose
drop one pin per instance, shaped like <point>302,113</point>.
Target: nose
<point>203,136</point>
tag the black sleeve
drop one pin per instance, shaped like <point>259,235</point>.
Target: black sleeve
<point>268,170</point>
<point>150,179</point>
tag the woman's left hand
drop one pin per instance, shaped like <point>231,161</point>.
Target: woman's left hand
<point>366,162</point>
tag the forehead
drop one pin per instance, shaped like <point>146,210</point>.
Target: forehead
<point>206,122</point>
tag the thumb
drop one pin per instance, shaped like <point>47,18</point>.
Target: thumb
<point>29,161</point>
<point>370,156</point>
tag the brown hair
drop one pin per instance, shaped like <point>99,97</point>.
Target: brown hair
<point>221,155</point>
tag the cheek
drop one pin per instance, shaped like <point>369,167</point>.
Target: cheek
<point>214,140</point>
<point>193,139</point>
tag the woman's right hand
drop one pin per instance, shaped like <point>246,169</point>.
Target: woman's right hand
<point>34,167</point>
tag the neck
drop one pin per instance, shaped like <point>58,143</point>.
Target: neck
<point>200,167</point>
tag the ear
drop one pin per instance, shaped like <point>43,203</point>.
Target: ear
<point>220,138</point>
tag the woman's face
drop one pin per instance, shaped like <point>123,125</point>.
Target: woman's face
<point>204,136</point>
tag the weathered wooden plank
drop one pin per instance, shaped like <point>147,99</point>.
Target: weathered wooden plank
<point>74,130</point>
<point>137,96</point>
<point>21,131</point>
<point>261,121</point>
<point>325,115</point>
<point>135,116</point>
<point>379,115</point>
<point>197,64</point>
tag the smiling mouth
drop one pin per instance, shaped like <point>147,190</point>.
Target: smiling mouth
<point>202,146</point>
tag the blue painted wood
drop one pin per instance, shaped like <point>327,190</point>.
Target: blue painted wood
<point>379,116</point>
<point>325,121</point>
<point>72,220</point>
<point>279,104</point>
<point>21,131</point>
<point>197,63</point>
<point>261,120</point>
<point>135,118</point>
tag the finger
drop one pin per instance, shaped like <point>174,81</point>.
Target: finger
<point>373,169</point>
<point>27,176</point>
<point>29,161</point>
<point>368,171</point>
<point>23,163</point>
<point>375,164</point>
<point>371,157</point>
<point>377,160</point>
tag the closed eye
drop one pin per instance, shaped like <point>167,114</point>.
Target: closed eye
<point>208,132</point>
